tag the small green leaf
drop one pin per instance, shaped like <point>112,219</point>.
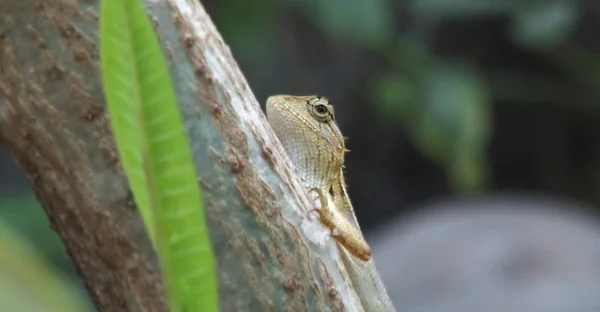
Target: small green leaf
<point>393,94</point>
<point>451,123</point>
<point>542,24</point>
<point>437,9</point>
<point>27,283</point>
<point>26,214</point>
<point>250,33</point>
<point>363,22</point>
<point>155,153</point>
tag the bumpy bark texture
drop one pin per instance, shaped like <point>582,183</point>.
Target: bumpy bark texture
<point>271,257</point>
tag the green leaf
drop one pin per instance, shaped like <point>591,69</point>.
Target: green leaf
<point>27,283</point>
<point>25,214</point>
<point>435,9</point>
<point>155,153</point>
<point>363,22</point>
<point>393,94</point>
<point>451,123</point>
<point>542,24</point>
<point>251,33</point>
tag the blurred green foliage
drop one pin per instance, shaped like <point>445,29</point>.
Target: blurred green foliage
<point>28,282</point>
<point>366,23</point>
<point>444,104</point>
<point>28,220</point>
<point>451,122</point>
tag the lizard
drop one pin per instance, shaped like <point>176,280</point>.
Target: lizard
<point>306,127</point>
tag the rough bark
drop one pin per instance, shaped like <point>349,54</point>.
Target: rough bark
<point>271,257</point>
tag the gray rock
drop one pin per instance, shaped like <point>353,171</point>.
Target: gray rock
<point>492,254</point>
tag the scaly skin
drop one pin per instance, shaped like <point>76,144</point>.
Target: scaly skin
<point>306,127</point>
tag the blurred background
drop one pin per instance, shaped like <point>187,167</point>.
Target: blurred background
<point>473,128</point>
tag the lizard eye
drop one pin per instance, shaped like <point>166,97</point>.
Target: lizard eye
<point>320,109</point>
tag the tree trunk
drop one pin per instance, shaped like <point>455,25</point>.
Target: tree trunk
<point>270,256</point>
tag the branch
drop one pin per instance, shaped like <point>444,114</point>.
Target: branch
<point>271,256</point>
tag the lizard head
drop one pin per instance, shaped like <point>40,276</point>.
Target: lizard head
<point>306,127</point>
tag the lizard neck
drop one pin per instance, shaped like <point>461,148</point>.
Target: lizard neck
<point>341,198</point>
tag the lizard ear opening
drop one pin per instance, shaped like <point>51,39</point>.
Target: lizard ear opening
<point>331,192</point>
